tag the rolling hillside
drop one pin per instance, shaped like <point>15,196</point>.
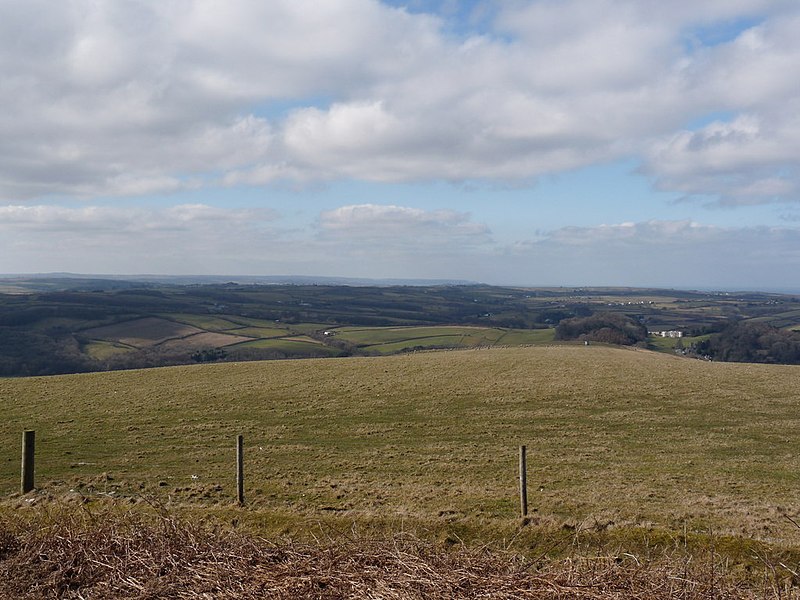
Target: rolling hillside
<point>619,440</point>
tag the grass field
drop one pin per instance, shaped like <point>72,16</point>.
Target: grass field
<point>389,340</point>
<point>141,333</point>
<point>207,322</point>
<point>250,322</point>
<point>619,440</point>
<point>183,332</point>
<point>382,335</point>
<point>295,346</point>
<point>205,340</point>
<point>259,332</point>
<point>103,350</point>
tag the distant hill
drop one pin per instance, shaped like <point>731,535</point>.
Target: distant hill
<point>73,281</point>
<point>66,324</point>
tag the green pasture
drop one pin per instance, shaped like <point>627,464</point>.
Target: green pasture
<point>295,347</point>
<point>370,336</point>
<point>142,332</point>
<point>307,328</point>
<point>433,342</point>
<point>785,320</point>
<point>207,322</point>
<point>395,339</point>
<point>522,337</point>
<point>250,322</point>
<point>618,439</point>
<point>102,350</point>
<point>259,332</point>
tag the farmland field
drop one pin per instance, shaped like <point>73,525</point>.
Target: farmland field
<point>207,322</point>
<point>382,335</point>
<point>259,332</point>
<point>142,332</point>
<point>78,325</point>
<point>102,350</point>
<point>206,339</point>
<point>619,440</point>
<point>295,346</point>
<point>389,340</point>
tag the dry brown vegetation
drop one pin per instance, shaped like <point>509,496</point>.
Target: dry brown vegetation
<point>108,554</point>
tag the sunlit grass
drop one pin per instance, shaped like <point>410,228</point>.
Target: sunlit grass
<point>388,340</point>
<point>616,437</point>
<point>101,350</point>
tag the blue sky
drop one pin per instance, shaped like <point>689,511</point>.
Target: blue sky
<point>538,142</point>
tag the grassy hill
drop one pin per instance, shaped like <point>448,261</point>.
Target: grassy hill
<point>620,441</point>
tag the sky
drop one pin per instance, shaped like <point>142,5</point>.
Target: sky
<point>509,142</point>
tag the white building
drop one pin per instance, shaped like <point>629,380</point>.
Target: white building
<point>668,334</point>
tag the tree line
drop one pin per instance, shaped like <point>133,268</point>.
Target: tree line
<point>747,341</point>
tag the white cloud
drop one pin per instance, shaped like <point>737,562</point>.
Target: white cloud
<point>673,233</point>
<point>376,240</point>
<point>119,220</point>
<point>142,97</point>
<point>577,84</point>
<point>187,238</point>
<point>662,254</point>
<point>368,240</point>
<point>158,91</point>
<point>748,160</point>
<point>389,224</point>
<point>751,158</point>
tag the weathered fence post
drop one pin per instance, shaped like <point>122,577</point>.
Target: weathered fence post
<point>240,469</point>
<point>523,483</point>
<point>28,450</point>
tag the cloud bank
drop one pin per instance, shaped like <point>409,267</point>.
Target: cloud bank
<point>139,136</point>
<point>371,240</point>
<point>132,98</point>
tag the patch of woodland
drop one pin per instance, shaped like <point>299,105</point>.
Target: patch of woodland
<point>603,327</point>
<point>747,341</point>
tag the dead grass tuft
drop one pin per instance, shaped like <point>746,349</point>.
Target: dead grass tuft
<point>84,554</point>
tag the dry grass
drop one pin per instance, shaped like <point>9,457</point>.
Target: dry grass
<point>650,477</point>
<point>620,438</point>
<point>68,553</point>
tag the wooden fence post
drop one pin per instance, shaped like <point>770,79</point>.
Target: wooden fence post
<point>240,469</point>
<point>28,450</point>
<point>523,483</point>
